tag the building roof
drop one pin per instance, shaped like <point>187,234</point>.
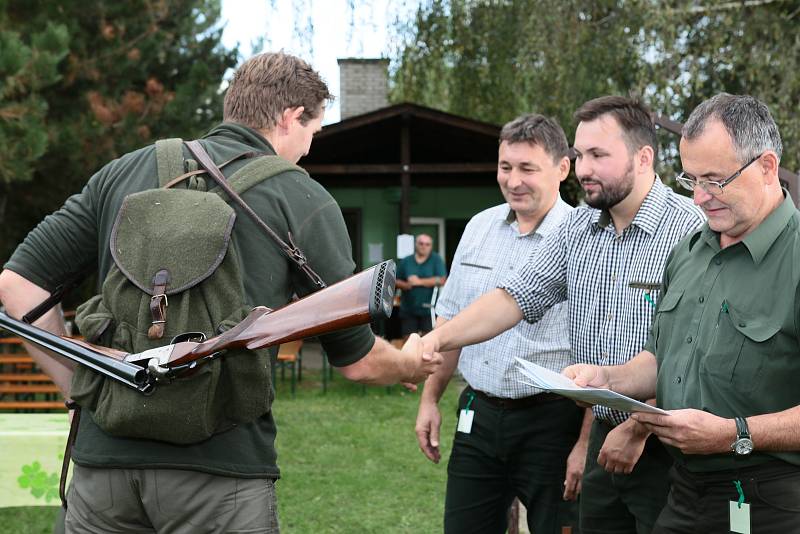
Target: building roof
<point>434,147</point>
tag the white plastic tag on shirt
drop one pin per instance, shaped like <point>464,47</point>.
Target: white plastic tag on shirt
<point>465,421</point>
<point>740,517</point>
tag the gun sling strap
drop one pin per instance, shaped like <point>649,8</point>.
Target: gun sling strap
<point>291,250</point>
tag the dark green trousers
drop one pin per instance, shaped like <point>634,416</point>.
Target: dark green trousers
<point>510,453</point>
<point>699,502</point>
<point>623,504</point>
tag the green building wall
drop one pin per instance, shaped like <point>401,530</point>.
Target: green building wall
<point>380,209</point>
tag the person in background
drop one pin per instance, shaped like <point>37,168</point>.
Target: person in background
<point>418,275</point>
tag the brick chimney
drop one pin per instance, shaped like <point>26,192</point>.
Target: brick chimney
<point>363,85</point>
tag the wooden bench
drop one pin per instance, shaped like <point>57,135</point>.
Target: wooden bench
<point>15,358</point>
<point>23,389</point>
<point>20,362</point>
<point>290,354</point>
<point>17,389</point>
<point>32,405</point>
<point>23,377</point>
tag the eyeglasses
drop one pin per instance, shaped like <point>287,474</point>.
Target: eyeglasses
<point>689,182</point>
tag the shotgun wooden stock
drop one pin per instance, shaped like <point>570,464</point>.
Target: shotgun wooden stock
<point>354,301</point>
<point>351,302</point>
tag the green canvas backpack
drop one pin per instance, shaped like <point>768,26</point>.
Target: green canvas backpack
<point>176,270</point>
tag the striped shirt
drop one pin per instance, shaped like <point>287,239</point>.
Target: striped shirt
<point>612,280</point>
<point>490,248</point>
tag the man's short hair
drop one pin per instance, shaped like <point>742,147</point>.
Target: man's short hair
<point>632,116</point>
<point>537,130</point>
<point>746,119</point>
<point>267,84</point>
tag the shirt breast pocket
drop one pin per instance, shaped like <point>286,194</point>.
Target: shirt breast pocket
<point>739,348</point>
<point>663,322</point>
<point>478,275</point>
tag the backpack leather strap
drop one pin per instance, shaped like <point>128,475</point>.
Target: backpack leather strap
<point>290,249</point>
<point>158,305</point>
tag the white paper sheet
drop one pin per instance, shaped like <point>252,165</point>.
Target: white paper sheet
<point>548,380</point>
<point>405,245</point>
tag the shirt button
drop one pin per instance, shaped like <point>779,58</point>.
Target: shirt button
<point>718,261</point>
<point>689,339</point>
<point>702,299</point>
<point>742,325</point>
<point>678,380</point>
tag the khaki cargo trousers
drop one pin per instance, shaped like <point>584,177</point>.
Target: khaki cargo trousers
<point>168,501</point>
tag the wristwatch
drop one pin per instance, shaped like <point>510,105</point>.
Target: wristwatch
<point>744,443</point>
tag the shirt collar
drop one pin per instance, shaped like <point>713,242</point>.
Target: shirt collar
<point>649,214</point>
<point>244,134</point>
<point>760,240</point>
<point>550,222</point>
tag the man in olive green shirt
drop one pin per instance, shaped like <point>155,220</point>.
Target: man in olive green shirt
<point>723,350</point>
<point>274,105</point>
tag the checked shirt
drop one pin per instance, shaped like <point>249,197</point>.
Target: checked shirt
<point>491,248</point>
<point>611,281</point>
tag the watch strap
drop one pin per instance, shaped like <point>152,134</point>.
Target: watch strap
<point>742,431</point>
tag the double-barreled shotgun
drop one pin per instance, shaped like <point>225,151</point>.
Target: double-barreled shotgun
<point>354,301</point>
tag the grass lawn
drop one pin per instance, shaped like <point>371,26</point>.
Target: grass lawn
<point>349,461</point>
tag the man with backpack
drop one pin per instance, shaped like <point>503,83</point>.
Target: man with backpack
<point>171,259</point>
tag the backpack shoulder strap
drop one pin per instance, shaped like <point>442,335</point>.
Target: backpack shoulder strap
<point>256,171</point>
<point>169,159</point>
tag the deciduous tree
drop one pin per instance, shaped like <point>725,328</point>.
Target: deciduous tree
<point>494,60</point>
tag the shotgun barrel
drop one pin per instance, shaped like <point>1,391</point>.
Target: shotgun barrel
<point>127,373</point>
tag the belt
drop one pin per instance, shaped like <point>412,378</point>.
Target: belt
<point>517,404</point>
<point>768,469</point>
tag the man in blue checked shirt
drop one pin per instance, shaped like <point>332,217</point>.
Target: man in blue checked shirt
<point>513,440</point>
<point>608,258</point>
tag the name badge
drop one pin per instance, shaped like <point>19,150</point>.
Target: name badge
<point>740,517</point>
<point>465,421</point>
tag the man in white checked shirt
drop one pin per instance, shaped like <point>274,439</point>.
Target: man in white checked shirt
<point>608,259</point>
<point>519,438</point>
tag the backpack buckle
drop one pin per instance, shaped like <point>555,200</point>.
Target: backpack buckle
<point>158,305</point>
<point>161,296</point>
<point>158,311</point>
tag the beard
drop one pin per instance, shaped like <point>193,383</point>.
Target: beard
<point>612,192</point>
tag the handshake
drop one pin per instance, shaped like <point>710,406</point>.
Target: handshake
<point>421,361</point>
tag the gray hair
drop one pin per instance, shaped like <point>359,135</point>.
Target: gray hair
<point>537,130</point>
<point>746,119</point>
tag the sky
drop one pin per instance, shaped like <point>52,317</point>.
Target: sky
<point>339,31</point>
